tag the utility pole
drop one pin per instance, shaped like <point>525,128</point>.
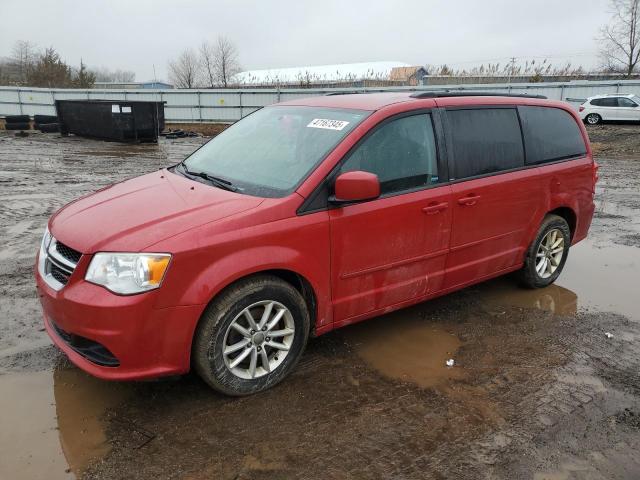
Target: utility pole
<point>512,68</point>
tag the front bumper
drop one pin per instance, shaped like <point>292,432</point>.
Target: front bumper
<point>142,341</point>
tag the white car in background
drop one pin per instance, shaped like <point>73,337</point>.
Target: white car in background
<point>615,106</point>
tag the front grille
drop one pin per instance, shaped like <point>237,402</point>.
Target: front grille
<point>58,273</point>
<point>92,351</point>
<point>68,252</point>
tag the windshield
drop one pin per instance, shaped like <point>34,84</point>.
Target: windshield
<point>271,151</point>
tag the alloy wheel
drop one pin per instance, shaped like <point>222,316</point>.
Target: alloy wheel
<point>258,339</point>
<point>550,252</point>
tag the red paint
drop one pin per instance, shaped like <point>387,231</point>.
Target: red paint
<point>354,186</point>
<point>360,259</point>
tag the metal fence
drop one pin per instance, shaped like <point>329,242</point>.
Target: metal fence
<point>229,105</point>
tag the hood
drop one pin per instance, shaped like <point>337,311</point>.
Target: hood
<point>133,214</point>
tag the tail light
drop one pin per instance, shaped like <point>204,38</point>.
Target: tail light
<point>581,108</point>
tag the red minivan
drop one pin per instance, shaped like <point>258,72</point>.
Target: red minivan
<point>307,216</point>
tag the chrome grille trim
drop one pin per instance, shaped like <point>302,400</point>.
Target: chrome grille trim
<point>52,259</point>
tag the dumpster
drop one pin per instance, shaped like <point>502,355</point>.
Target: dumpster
<point>121,121</point>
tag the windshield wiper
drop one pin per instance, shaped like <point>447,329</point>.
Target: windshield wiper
<point>216,181</point>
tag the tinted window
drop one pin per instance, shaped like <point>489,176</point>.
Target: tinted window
<point>402,153</point>
<point>550,134</point>
<point>605,102</point>
<point>485,140</point>
<point>625,102</point>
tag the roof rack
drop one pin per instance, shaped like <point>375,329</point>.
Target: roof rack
<point>469,93</point>
<point>352,92</point>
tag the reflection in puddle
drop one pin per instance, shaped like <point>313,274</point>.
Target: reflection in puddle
<point>81,400</point>
<point>504,292</point>
<point>51,427</point>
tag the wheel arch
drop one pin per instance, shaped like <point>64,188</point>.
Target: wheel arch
<point>569,215</point>
<point>295,279</point>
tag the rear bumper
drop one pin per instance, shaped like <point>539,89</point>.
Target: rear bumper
<point>118,337</point>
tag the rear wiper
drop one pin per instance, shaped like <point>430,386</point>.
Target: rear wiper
<point>217,181</point>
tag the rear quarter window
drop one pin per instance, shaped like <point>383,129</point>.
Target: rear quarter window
<point>550,134</point>
<point>485,140</point>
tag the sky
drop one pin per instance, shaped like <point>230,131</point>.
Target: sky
<point>140,34</point>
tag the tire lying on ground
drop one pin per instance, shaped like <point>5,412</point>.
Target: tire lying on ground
<point>18,126</point>
<point>17,119</point>
<point>45,119</point>
<point>48,127</point>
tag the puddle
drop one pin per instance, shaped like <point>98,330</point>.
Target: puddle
<point>404,346</point>
<point>604,278</point>
<point>51,427</point>
<point>407,346</point>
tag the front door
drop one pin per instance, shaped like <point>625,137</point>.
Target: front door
<point>392,249</point>
<point>627,110</point>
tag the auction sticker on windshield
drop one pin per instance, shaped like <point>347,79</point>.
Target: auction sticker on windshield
<point>328,124</point>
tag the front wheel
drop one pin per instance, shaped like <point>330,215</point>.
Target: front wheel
<point>251,336</point>
<point>547,254</point>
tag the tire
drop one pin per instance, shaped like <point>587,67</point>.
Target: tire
<point>17,119</point>
<point>593,119</point>
<point>17,126</point>
<point>530,276</point>
<point>48,127</point>
<point>215,332</point>
<point>44,119</point>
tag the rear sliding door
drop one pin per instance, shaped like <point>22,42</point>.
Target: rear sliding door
<point>493,197</point>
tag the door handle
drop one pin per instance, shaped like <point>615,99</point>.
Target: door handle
<point>470,200</point>
<point>435,208</point>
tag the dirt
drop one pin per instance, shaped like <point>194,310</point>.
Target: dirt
<point>537,389</point>
<point>615,139</point>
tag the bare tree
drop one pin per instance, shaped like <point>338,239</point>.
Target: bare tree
<point>104,74</point>
<point>226,61</point>
<point>621,47</point>
<point>185,70</point>
<point>23,56</point>
<point>208,63</point>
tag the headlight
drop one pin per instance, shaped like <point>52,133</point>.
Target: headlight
<point>128,273</point>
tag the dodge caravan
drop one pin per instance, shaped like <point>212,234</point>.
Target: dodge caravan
<point>307,216</point>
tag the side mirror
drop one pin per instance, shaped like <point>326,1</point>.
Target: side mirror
<point>356,186</point>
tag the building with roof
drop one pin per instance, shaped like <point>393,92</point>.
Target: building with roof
<point>351,74</point>
<point>413,75</point>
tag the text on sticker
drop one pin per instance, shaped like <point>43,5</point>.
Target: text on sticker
<point>328,124</point>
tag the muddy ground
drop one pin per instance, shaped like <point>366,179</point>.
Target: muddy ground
<point>537,391</point>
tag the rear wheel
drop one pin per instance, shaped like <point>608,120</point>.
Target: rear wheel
<point>547,254</point>
<point>251,336</point>
<point>593,119</point>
